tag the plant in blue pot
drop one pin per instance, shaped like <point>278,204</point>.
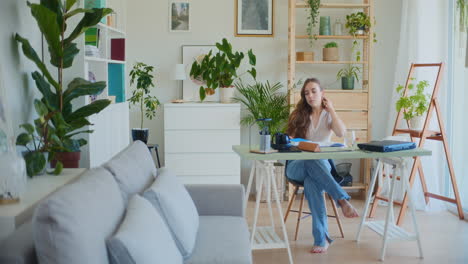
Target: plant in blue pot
<point>142,76</point>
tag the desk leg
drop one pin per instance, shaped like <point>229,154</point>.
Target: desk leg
<point>271,170</point>
<point>369,196</point>
<point>268,194</point>
<point>257,207</point>
<point>249,185</point>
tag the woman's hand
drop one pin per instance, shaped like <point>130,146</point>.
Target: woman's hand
<point>328,105</point>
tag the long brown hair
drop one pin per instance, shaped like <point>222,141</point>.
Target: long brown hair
<point>299,120</point>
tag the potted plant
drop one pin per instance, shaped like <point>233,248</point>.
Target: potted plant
<point>148,104</point>
<point>263,100</point>
<point>462,6</point>
<point>348,75</point>
<point>312,20</point>
<point>39,140</point>
<point>330,51</point>
<point>220,71</point>
<point>358,23</point>
<point>52,17</point>
<point>415,103</point>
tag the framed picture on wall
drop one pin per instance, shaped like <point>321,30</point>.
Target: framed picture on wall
<point>254,18</point>
<point>179,16</point>
<point>191,87</point>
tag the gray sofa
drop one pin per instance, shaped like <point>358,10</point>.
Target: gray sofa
<point>74,224</point>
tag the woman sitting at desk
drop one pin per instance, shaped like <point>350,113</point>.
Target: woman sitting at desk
<point>314,119</point>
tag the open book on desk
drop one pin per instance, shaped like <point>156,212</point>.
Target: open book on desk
<point>295,142</point>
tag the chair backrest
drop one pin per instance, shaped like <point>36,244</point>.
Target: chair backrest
<point>333,172</point>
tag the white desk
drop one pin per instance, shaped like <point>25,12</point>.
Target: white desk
<point>38,188</point>
<point>267,237</point>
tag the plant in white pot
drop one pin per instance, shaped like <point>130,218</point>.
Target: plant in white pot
<point>415,103</point>
<point>220,71</point>
<point>142,74</point>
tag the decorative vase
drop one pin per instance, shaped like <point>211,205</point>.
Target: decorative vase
<point>325,28</point>
<point>226,94</point>
<point>347,83</point>
<point>330,54</point>
<point>32,169</point>
<point>68,159</point>
<point>338,28</point>
<point>13,178</point>
<point>140,134</point>
<point>305,56</point>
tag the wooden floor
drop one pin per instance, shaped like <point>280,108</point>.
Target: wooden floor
<point>444,240</point>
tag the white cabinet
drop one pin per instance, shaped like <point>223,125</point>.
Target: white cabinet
<point>198,139</point>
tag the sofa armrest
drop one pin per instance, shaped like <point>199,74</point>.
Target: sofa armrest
<point>18,248</point>
<point>218,199</point>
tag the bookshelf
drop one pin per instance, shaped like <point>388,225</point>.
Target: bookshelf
<point>111,126</point>
<point>351,105</point>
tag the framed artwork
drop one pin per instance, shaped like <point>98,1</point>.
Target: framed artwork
<point>254,18</point>
<point>190,87</point>
<point>179,16</point>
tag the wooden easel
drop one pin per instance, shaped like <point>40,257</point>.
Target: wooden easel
<point>424,134</point>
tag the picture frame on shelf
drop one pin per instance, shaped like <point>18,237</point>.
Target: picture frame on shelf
<point>190,87</point>
<point>179,16</point>
<point>254,18</point>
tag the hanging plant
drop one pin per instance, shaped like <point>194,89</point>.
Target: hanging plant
<point>312,17</point>
<point>462,6</point>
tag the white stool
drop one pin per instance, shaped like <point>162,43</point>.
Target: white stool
<point>388,229</point>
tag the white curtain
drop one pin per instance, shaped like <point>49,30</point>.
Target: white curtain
<point>423,39</point>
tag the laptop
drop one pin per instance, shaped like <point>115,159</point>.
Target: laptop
<point>387,145</point>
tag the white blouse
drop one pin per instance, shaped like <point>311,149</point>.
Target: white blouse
<point>321,133</point>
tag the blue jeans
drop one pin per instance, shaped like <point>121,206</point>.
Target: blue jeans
<point>317,179</point>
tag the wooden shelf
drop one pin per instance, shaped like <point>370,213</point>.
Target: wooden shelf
<point>331,62</point>
<point>356,186</point>
<point>96,59</point>
<point>333,37</point>
<point>345,91</point>
<point>434,135</point>
<point>304,5</point>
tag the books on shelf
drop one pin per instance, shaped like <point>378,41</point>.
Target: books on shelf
<point>92,37</point>
<point>118,49</point>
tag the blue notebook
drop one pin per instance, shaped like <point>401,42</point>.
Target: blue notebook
<point>387,145</point>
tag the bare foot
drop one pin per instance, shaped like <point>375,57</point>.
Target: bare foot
<point>348,210</point>
<point>319,249</point>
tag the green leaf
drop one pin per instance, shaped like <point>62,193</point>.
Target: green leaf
<point>252,58</point>
<point>69,53</point>
<point>87,110</point>
<point>69,4</point>
<point>47,22</point>
<point>79,87</point>
<point>40,107</point>
<point>58,168</point>
<point>31,54</point>
<point>35,162</point>
<point>90,19</point>
<point>55,6</point>
<point>76,12</point>
<point>202,93</point>
<point>23,139</point>
<point>28,127</point>
<point>79,123</point>
<point>49,98</point>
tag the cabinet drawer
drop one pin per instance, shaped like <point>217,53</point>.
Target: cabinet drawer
<point>343,100</point>
<point>193,141</point>
<point>219,164</point>
<point>202,117</point>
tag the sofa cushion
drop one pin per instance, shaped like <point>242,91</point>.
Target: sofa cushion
<point>175,205</point>
<point>143,237</point>
<point>72,225</point>
<point>222,239</point>
<point>133,169</point>
<point>18,248</point>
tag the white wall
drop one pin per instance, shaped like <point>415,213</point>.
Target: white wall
<point>149,40</point>
<point>15,70</point>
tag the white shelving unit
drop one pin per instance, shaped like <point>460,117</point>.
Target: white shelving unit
<point>111,126</point>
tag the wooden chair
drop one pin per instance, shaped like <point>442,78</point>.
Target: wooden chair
<point>297,186</point>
